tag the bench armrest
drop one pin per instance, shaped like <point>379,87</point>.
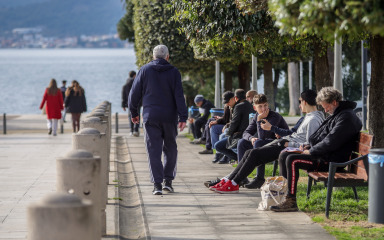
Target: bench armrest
<point>334,165</point>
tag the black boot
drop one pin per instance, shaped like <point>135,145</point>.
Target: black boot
<point>256,183</point>
<point>217,158</point>
<point>224,160</point>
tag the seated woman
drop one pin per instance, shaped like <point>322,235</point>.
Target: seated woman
<point>268,153</point>
<point>332,142</point>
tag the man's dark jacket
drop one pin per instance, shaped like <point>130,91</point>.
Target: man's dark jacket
<point>337,135</point>
<point>158,84</point>
<point>125,92</point>
<point>239,122</point>
<point>254,127</point>
<point>207,106</point>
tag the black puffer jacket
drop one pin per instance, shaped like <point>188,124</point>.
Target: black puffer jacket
<point>207,106</point>
<point>337,135</point>
<point>76,103</point>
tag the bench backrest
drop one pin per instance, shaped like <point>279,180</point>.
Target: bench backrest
<point>362,148</point>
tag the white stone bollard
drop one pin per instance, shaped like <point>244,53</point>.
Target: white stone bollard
<point>101,126</point>
<point>96,143</point>
<point>79,173</point>
<point>62,216</point>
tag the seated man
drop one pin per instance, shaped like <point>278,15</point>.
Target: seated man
<point>268,153</point>
<point>332,142</point>
<point>197,125</point>
<point>254,136</point>
<point>240,120</point>
<point>218,123</point>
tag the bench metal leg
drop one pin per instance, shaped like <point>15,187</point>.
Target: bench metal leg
<point>275,164</point>
<point>331,178</point>
<point>355,192</point>
<point>310,180</point>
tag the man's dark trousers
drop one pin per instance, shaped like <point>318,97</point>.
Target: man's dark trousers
<point>244,145</point>
<point>160,137</point>
<point>198,125</point>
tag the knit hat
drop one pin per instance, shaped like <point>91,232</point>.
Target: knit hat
<point>199,98</point>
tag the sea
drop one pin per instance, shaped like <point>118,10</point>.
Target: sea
<point>25,73</point>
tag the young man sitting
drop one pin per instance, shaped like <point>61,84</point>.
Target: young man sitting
<point>332,142</point>
<point>254,136</point>
<point>268,153</point>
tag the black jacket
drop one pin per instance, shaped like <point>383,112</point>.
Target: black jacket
<point>226,117</point>
<point>207,106</point>
<point>125,92</point>
<point>75,103</point>
<point>239,122</point>
<point>254,127</point>
<point>337,135</point>
<point>158,86</point>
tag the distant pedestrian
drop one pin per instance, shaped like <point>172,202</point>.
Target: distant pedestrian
<point>53,101</point>
<point>125,93</point>
<point>63,89</point>
<point>75,103</point>
<point>158,85</point>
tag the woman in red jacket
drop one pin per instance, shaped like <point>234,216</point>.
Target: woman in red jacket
<point>53,101</point>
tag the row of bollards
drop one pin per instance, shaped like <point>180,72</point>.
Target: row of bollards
<point>78,210</point>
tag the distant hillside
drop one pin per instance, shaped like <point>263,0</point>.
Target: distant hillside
<point>61,17</point>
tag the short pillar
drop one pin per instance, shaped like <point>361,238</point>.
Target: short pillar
<point>62,216</point>
<point>96,143</point>
<point>79,173</point>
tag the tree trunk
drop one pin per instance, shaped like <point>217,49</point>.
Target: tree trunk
<point>268,84</point>
<point>275,84</point>
<point>331,62</point>
<point>376,89</point>
<point>227,81</point>
<point>244,76</point>
<point>293,88</point>
<point>320,59</point>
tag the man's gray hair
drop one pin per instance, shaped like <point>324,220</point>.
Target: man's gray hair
<point>160,51</point>
<point>328,95</point>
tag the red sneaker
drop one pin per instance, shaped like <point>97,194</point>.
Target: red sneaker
<point>221,183</point>
<point>228,187</point>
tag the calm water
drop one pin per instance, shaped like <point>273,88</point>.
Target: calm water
<point>25,73</point>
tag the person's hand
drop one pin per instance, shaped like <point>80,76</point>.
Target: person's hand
<point>124,109</point>
<point>211,123</point>
<point>306,152</point>
<point>253,140</point>
<point>263,115</point>
<point>135,120</point>
<point>266,126</point>
<point>286,144</point>
<point>277,136</point>
<point>181,126</point>
<point>190,120</point>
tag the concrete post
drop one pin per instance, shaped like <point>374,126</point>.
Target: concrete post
<point>102,127</point>
<point>79,173</point>
<point>102,117</point>
<point>217,85</point>
<point>62,216</point>
<point>254,73</point>
<point>96,143</point>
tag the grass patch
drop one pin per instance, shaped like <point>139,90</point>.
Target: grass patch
<point>348,219</point>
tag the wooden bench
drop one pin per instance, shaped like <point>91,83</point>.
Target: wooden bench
<point>354,173</point>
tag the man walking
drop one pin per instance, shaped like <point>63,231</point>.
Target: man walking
<point>158,84</point>
<point>63,88</point>
<point>124,104</point>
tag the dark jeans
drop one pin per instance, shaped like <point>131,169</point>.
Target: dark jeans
<point>244,145</point>
<point>290,163</point>
<point>198,124</point>
<point>221,147</point>
<point>254,158</point>
<point>207,134</point>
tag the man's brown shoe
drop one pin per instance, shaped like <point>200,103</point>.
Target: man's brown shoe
<point>289,205</point>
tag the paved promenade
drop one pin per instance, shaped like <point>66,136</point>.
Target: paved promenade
<point>28,173</point>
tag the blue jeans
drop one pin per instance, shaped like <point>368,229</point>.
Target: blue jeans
<point>221,147</point>
<point>215,132</point>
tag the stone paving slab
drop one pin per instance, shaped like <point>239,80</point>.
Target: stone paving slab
<point>194,212</point>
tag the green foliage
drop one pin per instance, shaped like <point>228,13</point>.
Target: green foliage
<point>125,25</point>
<point>64,18</point>
<point>329,19</point>
<point>251,6</point>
